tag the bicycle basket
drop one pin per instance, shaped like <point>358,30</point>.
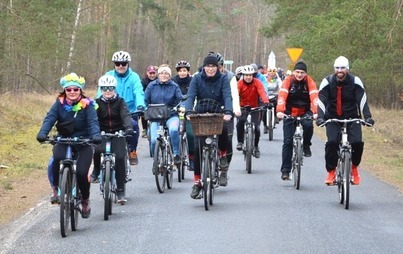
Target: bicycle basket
<point>157,112</point>
<point>207,124</point>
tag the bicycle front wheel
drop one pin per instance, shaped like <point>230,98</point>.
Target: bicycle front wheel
<point>206,167</point>
<point>184,153</point>
<point>65,199</point>
<point>346,179</point>
<point>297,163</point>
<point>159,165</point>
<point>249,149</point>
<point>107,191</point>
<point>74,211</point>
<point>270,126</point>
<point>169,174</point>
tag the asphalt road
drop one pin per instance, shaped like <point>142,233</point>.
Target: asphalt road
<point>256,213</point>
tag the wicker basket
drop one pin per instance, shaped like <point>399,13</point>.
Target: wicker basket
<point>207,124</point>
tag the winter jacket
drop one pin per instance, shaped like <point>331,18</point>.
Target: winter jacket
<point>249,93</point>
<point>163,93</point>
<point>113,115</point>
<point>183,83</point>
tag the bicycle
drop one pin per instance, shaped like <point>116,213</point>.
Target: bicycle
<point>184,149</point>
<point>297,155</point>
<point>107,184</point>
<point>208,126</point>
<point>249,144</point>
<point>271,118</point>
<point>343,169</point>
<point>70,196</point>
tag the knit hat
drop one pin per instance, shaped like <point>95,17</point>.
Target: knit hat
<point>341,61</point>
<point>164,68</point>
<point>210,59</point>
<point>151,68</point>
<point>301,65</point>
<point>72,79</point>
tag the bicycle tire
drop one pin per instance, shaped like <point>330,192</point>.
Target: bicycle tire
<point>184,153</point>
<point>158,167</point>
<point>65,197</point>
<point>298,163</point>
<point>249,149</point>
<point>213,177</point>
<point>169,173</point>
<point>206,179</point>
<point>107,190</point>
<point>270,126</point>
<point>75,202</point>
<point>339,182</point>
<point>346,178</point>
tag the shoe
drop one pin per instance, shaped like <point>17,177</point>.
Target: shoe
<point>307,151</point>
<point>177,160</point>
<point>195,191</point>
<point>223,179</point>
<point>144,134</point>
<point>239,146</point>
<point>265,130</point>
<point>257,152</point>
<point>331,177</point>
<point>285,176</point>
<point>54,198</point>
<point>191,165</point>
<point>121,197</point>
<point>133,158</point>
<point>223,163</point>
<point>356,176</point>
<point>85,208</point>
<point>95,176</point>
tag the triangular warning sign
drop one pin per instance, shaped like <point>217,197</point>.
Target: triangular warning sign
<point>294,53</point>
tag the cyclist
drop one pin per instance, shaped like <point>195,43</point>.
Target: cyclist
<point>274,84</point>
<point>151,75</point>
<point>342,96</point>
<point>76,117</point>
<point>163,90</point>
<point>260,76</point>
<point>210,84</point>
<point>183,80</point>
<point>250,90</point>
<point>238,73</point>
<point>298,96</point>
<point>130,89</point>
<point>113,116</point>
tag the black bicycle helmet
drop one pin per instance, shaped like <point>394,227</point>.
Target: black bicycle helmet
<point>182,64</point>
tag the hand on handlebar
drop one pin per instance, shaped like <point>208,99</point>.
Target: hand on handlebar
<point>320,121</point>
<point>280,115</point>
<point>227,117</point>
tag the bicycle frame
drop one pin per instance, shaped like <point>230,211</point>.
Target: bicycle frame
<point>249,144</point>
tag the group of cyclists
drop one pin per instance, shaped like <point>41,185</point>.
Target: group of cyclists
<point>121,94</point>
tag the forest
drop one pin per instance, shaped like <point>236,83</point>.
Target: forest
<point>42,40</point>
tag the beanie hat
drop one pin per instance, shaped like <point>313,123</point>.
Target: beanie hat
<point>164,68</point>
<point>210,59</point>
<point>301,65</point>
<point>72,79</point>
<point>341,61</point>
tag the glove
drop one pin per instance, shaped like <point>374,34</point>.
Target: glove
<point>129,132</point>
<point>41,138</point>
<point>370,121</point>
<point>280,115</point>
<point>97,139</point>
<point>315,116</point>
<point>140,108</point>
<point>268,105</point>
<point>320,121</point>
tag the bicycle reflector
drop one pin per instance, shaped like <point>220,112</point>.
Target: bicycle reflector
<point>209,141</point>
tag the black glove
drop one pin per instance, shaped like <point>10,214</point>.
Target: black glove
<point>320,121</point>
<point>370,121</point>
<point>41,138</point>
<point>129,132</point>
<point>267,105</point>
<point>97,139</point>
<point>140,108</point>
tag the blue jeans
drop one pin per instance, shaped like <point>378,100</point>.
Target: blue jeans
<point>173,128</point>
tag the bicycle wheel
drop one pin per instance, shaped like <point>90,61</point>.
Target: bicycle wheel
<point>65,198</point>
<point>249,149</point>
<point>158,166</point>
<point>213,177</point>
<point>298,163</point>
<point>184,152</point>
<point>346,179</point>
<point>169,173</point>
<point>74,211</point>
<point>206,167</point>
<point>270,126</point>
<point>339,181</point>
<point>107,191</point>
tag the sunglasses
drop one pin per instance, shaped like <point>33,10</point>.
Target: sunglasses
<point>106,88</point>
<point>272,70</point>
<point>117,64</point>
<point>69,90</point>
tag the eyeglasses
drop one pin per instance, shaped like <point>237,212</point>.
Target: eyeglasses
<point>211,66</point>
<point>69,90</point>
<point>163,73</point>
<point>117,64</point>
<point>106,88</point>
<point>272,70</point>
<point>340,68</point>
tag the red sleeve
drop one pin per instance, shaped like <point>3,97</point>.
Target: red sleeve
<point>283,94</point>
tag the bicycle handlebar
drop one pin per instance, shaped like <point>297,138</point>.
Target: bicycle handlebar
<point>299,118</point>
<point>345,121</point>
<point>69,141</point>
<point>119,134</point>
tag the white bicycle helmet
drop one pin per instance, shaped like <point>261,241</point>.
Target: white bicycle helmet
<point>107,80</point>
<point>238,70</point>
<point>121,56</point>
<point>248,69</point>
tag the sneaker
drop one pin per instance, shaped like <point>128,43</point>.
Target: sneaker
<point>285,176</point>
<point>356,175</point>
<point>121,197</point>
<point>223,163</point>
<point>54,198</point>
<point>331,177</point>
<point>307,151</point>
<point>265,130</point>
<point>95,176</point>
<point>85,208</point>
<point>144,134</point>
<point>177,160</point>
<point>223,179</point>
<point>257,152</point>
<point>133,158</point>
<point>195,191</point>
<point>239,146</point>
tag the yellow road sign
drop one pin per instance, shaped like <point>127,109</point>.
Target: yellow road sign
<point>294,53</point>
